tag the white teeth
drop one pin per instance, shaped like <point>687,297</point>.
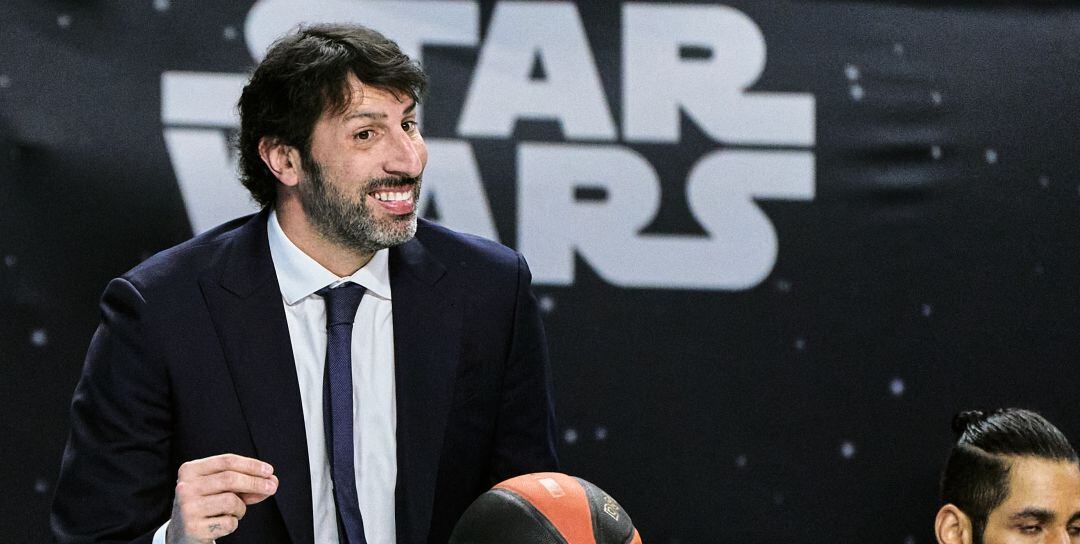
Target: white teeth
<point>393,197</point>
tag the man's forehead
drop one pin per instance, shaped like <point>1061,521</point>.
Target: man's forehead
<point>1042,485</point>
<point>360,99</point>
<point>358,92</point>
<point>1037,471</point>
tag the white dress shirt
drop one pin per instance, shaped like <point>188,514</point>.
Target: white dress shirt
<point>374,398</point>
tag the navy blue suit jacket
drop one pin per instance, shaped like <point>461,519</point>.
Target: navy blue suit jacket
<point>193,359</point>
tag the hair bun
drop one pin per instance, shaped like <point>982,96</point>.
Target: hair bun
<point>965,419</point>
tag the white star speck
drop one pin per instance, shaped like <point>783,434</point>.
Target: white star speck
<point>847,450</point>
<point>39,337</point>
<point>570,436</point>
<point>547,304</point>
<point>896,387</point>
<point>852,72</point>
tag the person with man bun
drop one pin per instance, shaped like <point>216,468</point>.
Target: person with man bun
<point>1011,477</point>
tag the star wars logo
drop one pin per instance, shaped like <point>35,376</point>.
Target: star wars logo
<point>767,137</point>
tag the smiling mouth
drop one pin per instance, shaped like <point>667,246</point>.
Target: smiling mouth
<point>396,200</point>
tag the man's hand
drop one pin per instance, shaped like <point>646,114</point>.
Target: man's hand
<point>212,494</point>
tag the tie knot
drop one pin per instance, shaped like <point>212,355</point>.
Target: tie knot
<point>341,303</point>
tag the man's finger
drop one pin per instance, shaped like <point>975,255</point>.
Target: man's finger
<point>217,527</point>
<point>233,482</point>
<point>222,504</point>
<point>255,498</point>
<point>222,463</point>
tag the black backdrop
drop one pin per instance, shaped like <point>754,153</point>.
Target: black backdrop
<point>920,255</point>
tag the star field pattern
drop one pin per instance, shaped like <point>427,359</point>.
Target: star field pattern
<point>934,269</point>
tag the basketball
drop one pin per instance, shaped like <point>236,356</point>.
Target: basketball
<point>545,508</point>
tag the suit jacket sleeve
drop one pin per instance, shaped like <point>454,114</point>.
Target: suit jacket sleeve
<point>525,431</point>
<point>115,481</point>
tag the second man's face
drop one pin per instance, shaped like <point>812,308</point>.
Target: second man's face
<point>1043,505</point>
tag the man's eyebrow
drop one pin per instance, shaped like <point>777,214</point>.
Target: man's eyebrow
<point>1041,515</point>
<point>366,114</point>
<point>1075,517</point>
<point>377,115</point>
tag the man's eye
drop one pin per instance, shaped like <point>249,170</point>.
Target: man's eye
<point>408,126</point>
<point>362,135</point>
<point>1074,530</point>
<point>1030,529</point>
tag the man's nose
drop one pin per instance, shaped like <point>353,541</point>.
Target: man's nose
<point>1061,537</point>
<point>405,157</point>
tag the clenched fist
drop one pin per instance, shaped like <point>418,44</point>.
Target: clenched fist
<point>212,495</point>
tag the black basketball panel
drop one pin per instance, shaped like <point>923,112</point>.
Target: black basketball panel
<point>611,524</point>
<point>500,516</point>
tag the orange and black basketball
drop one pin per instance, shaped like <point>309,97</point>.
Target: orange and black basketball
<point>545,508</point>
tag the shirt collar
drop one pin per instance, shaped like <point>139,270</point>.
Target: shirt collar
<point>299,275</point>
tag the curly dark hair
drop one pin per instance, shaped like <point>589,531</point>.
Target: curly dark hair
<point>305,74</point>
<point>976,476</point>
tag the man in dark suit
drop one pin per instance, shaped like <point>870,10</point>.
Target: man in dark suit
<point>232,392</point>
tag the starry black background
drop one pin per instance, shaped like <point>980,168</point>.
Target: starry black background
<point>936,268</point>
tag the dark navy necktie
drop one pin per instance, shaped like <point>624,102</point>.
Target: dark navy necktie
<point>341,304</point>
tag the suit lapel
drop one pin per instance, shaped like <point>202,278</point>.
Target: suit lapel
<point>245,304</point>
<point>427,333</point>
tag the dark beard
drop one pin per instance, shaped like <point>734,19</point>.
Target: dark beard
<point>351,224</point>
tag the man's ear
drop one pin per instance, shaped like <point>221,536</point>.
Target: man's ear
<point>282,159</point>
<point>952,526</point>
